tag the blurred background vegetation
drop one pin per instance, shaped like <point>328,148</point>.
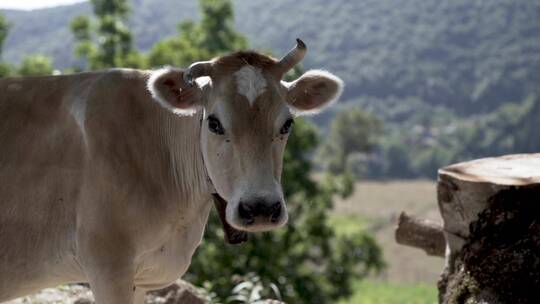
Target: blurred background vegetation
<point>428,83</point>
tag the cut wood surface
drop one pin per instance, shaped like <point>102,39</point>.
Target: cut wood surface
<point>509,170</point>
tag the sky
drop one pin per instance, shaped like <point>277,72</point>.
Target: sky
<point>34,4</point>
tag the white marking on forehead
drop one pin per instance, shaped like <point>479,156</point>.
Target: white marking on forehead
<point>250,82</point>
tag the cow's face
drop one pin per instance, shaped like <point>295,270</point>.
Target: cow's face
<point>248,114</point>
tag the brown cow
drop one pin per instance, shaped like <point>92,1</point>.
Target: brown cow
<point>107,177</point>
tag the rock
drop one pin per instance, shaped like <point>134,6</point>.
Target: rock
<point>83,301</point>
<point>179,292</point>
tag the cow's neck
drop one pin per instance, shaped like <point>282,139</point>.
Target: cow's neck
<point>181,142</point>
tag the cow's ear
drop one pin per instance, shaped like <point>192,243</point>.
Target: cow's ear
<point>313,91</point>
<point>168,87</point>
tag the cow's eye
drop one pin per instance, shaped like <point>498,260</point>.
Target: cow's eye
<point>286,128</point>
<point>215,126</point>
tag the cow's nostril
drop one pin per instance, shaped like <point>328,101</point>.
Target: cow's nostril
<point>276,212</point>
<point>245,213</point>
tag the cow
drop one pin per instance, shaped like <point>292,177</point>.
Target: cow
<point>108,177</point>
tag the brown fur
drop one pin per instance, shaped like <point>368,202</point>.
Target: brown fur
<point>225,65</point>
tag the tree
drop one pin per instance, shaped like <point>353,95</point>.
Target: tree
<point>212,36</point>
<point>114,46</point>
<point>31,65</point>
<point>352,131</point>
<point>4,29</point>
<point>35,65</point>
<point>5,69</point>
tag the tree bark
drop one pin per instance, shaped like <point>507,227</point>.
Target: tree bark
<point>491,219</point>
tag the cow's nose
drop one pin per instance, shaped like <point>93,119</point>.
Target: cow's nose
<point>260,211</point>
<point>246,213</point>
<point>275,212</point>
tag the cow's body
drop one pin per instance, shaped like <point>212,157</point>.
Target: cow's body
<point>106,178</point>
<point>90,164</point>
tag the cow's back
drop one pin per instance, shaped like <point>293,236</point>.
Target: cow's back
<point>42,156</point>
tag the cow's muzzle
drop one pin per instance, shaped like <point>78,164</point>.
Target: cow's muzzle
<point>232,235</point>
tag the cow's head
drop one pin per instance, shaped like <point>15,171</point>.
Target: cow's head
<point>248,113</point>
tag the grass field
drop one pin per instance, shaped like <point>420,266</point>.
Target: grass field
<point>375,292</point>
<point>411,275</point>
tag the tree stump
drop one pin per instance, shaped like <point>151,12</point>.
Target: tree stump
<point>491,220</point>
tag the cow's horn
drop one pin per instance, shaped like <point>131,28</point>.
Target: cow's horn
<point>292,58</point>
<point>196,70</point>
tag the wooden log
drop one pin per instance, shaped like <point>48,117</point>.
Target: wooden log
<point>491,218</point>
<point>420,233</point>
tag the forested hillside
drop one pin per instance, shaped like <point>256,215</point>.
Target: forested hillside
<point>468,55</point>
<point>436,67</point>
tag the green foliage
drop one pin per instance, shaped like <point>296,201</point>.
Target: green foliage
<point>417,143</point>
<point>351,131</point>
<point>4,29</point>
<point>31,65</point>
<point>108,43</point>
<point>372,292</point>
<point>348,225</point>
<point>212,36</point>
<point>216,29</point>
<point>118,8</point>
<point>81,29</point>
<point>5,69</point>
<point>35,65</point>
